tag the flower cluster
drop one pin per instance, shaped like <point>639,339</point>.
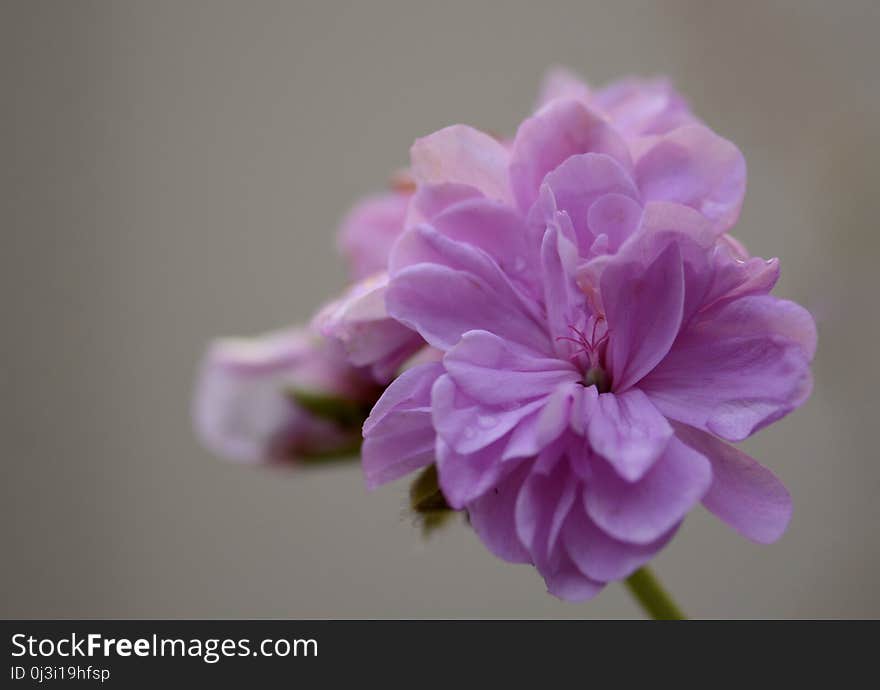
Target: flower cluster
<point>567,331</point>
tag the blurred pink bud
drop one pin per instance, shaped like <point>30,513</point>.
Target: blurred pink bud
<point>245,408</point>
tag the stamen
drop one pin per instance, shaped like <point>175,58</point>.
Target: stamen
<point>590,346</point>
<point>595,326</point>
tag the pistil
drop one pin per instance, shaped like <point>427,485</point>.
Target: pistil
<point>596,376</point>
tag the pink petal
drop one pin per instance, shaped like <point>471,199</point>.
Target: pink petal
<point>466,425</point>
<point>492,517</point>
<point>569,584</point>
<point>454,288</point>
<point>398,435</point>
<point>466,476</point>
<point>410,391</point>
<point>694,166</point>
<point>561,129</point>
<point>765,315</point>
<point>371,338</point>
<point>744,494</point>
<point>662,224</point>
<point>665,217</point>
<point>432,199</point>
<point>643,106</point>
<point>629,432</point>
<point>499,231</point>
<point>735,274</point>
<point>644,309</point>
<point>579,181</point>
<point>542,507</point>
<point>442,304</point>
<point>642,512</point>
<point>602,557</point>
<point>555,417</point>
<point>542,428</point>
<point>462,155</point>
<point>393,450</point>
<point>614,216</point>
<point>565,303</point>
<point>714,274</point>
<point>737,368</point>
<point>369,230</point>
<point>560,82</point>
<point>495,371</point>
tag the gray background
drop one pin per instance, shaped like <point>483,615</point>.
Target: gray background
<point>176,170</point>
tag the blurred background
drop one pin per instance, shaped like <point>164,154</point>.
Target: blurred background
<point>176,170</point>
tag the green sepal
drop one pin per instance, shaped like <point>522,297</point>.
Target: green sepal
<point>342,411</point>
<point>348,452</point>
<point>427,501</point>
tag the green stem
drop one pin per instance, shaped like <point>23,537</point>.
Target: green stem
<point>656,602</point>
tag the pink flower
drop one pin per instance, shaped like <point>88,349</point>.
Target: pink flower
<point>244,407</point>
<point>602,339</point>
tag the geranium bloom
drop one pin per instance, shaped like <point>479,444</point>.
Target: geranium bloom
<point>245,409</point>
<point>579,337</point>
<point>601,336</point>
<point>653,148</point>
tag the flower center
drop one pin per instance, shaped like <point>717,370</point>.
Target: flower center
<point>589,352</point>
<point>596,376</point>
